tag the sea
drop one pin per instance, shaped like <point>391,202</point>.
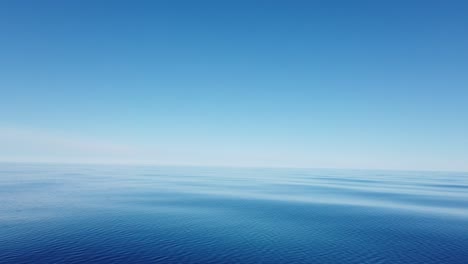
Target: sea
<point>53,213</point>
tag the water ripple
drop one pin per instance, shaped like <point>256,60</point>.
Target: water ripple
<point>131,214</point>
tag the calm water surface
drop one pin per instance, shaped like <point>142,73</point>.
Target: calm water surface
<point>142,214</point>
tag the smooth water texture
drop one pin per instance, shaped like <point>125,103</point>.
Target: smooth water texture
<point>143,214</point>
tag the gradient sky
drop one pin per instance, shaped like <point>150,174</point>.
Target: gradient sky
<point>342,84</point>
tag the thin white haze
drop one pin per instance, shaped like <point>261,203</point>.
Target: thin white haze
<point>28,145</point>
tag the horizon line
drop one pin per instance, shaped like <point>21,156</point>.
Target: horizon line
<point>147,164</point>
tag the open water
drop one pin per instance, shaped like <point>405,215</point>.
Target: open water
<point>144,214</point>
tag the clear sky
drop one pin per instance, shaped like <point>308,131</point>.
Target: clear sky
<point>342,84</point>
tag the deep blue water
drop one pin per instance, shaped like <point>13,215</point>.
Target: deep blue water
<point>142,214</point>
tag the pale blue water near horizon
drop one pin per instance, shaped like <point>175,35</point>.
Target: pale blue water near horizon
<point>149,214</point>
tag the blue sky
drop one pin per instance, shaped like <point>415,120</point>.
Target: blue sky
<point>342,84</point>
